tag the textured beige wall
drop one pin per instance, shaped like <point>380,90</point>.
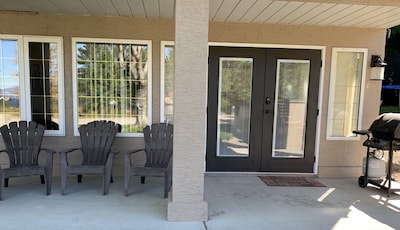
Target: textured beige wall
<point>336,158</point>
<point>190,93</point>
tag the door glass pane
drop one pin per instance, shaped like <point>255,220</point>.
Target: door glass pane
<point>234,104</point>
<point>290,108</point>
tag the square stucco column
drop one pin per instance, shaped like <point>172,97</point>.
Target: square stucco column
<point>191,54</point>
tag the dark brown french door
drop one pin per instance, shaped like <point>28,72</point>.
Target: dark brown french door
<point>262,109</point>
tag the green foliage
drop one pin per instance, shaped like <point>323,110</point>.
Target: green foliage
<point>389,109</point>
<point>236,87</point>
<point>112,82</point>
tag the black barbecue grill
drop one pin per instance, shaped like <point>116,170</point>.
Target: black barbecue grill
<point>383,134</point>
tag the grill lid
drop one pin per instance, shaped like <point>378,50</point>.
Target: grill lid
<point>386,127</point>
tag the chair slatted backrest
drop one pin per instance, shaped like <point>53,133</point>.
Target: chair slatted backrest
<point>158,144</point>
<point>22,141</point>
<point>97,138</point>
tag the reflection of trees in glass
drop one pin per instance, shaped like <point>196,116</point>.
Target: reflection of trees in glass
<point>169,71</point>
<point>9,81</point>
<point>293,81</point>
<point>236,87</point>
<point>112,83</point>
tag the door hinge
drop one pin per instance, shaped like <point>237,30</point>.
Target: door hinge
<point>314,159</point>
<point>317,112</point>
<point>321,64</point>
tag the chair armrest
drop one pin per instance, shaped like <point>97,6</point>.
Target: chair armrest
<point>130,152</point>
<point>64,154</point>
<point>127,157</point>
<point>49,151</point>
<point>49,158</point>
<point>66,151</point>
<point>114,151</point>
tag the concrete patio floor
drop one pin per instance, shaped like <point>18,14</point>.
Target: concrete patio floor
<point>235,202</point>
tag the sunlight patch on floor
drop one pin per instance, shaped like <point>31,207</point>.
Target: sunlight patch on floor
<point>357,219</point>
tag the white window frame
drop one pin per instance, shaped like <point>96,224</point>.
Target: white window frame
<point>75,40</point>
<point>24,80</point>
<point>335,51</point>
<point>60,80</point>
<point>162,78</point>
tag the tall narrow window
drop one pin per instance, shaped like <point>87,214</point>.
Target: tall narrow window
<point>167,82</point>
<point>45,71</point>
<point>112,82</point>
<point>347,80</point>
<point>31,82</point>
<point>9,81</point>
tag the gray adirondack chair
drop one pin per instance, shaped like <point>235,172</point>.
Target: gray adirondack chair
<point>23,142</point>
<point>158,148</point>
<point>96,138</point>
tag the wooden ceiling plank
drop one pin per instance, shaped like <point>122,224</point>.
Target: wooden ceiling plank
<point>123,8</point>
<point>44,6</point>
<point>341,14</point>
<point>285,11</point>
<point>370,16</point>
<point>355,15</point>
<point>152,8</point>
<point>240,10</point>
<point>167,9</point>
<point>64,7</point>
<point>328,13</point>
<point>299,12</point>
<point>137,8</point>
<point>274,7</point>
<point>226,9</point>
<point>15,5</point>
<point>254,11</point>
<point>214,7</point>
<point>107,7</point>
<point>384,19</point>
<point>94,7</point>
<point>320,9</point>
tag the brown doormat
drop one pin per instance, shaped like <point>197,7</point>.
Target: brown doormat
<point>291,181</point>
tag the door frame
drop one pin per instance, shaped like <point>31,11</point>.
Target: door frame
<point>321,82</point>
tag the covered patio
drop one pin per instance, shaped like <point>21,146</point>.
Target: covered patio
<point>193,26</point>
<point>235,202</point>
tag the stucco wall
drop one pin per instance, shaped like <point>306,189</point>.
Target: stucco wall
<point>336,158</point>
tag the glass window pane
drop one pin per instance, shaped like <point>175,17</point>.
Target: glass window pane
<point>346,93</point>
<point>43,69</point>
<point>234,105</point>
<point>112,84</point>
<point>291,108</point>
<point>169,71</point>
<point>9,81</point>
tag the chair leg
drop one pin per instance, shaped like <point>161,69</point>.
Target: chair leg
<point>48,180</point>
<point>166,185</point>
<point>42,179</point>
<point>106,181</point>
<point>79,178</point>
<point>1,188</point>
<point>6,182</point>
<point>142,179</point>
<point>63,181</point>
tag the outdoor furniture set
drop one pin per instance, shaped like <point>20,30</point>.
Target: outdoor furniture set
<point>23,140</point>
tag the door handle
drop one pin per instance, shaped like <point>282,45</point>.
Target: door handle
<point>267,111</point>
<point>268,100</point>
